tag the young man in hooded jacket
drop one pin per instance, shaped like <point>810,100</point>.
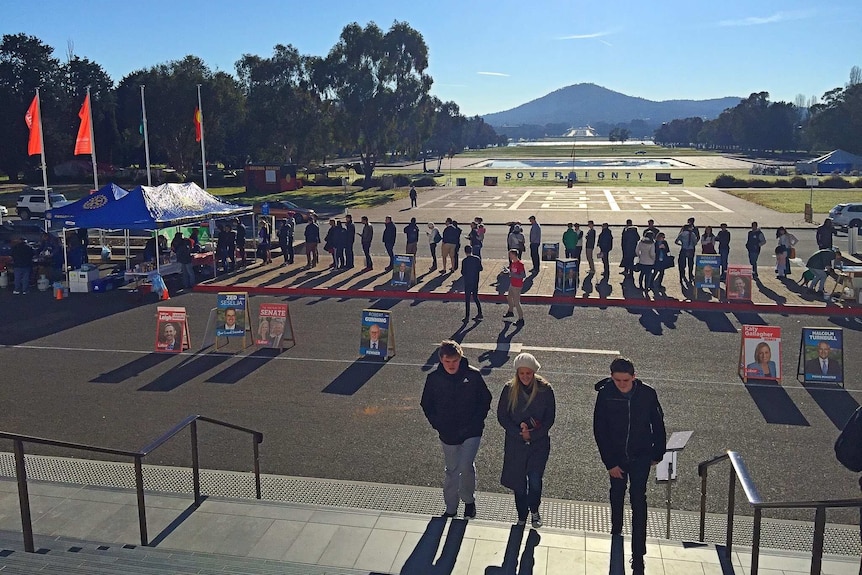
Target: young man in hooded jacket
<point>456,402</point>
<point>628,424</point>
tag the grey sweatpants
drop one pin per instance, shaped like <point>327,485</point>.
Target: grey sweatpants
<point>460,480</point>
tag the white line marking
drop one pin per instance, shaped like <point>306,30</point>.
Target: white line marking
<point>647,376</point>
<point>573,350</point>
<point>711,203</point>
<point>611,201</point>
<point>437,199</point>
<point>521,200</point>
<point>505,347</point>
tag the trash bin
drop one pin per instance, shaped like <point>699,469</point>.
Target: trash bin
<point>460,181</point>
<point>571,183</point>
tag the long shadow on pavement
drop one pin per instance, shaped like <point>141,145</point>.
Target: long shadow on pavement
<point>836,403</point>
<point>774,403</point>
<point>460,333</point>
<point>511,565</point>
<point>355,376</point>
<point>245,366</point>
<point>654,320</point>
<point>132,369</point>
<point>186,371</point>
<point>421,560</point>
<point>500,356</point>
<point>715,321</point>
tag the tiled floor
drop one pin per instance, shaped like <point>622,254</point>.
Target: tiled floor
<point>378,542</point>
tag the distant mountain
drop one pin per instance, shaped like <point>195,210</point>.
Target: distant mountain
<point>588,104</point>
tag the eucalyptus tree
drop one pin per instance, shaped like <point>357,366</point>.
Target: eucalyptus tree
<point>26,63</point>
<point>376,82</point>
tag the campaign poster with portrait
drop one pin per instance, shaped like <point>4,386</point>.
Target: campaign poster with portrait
<point>374,338</point>
<point>550,252</point>
<point>403,271</point>
<point>272,325</point>
<point>230,314</point>
<point>822,356</point>
<point>760,352</point>
<point>707,271</point>
<point>567,276</point>
<point>738,283</point>
<point>171,330</point>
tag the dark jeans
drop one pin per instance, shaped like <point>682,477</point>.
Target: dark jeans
<point>570,253</point>
<point>724,255</point>
<point>530,499</point>
<point>433,248</point>
<point>240,244</point>
<point>534,255</point>
<point>340,257</point>
<point>753,254</point>
<point>636,477</point>
<point>646,276</point>
<point>350,255</point>
<point>287,250</point>
<point>471,292</point>
<point>686,259</point>
<point>366,249</point>
<point>390,249</point>
<point>477,250</point>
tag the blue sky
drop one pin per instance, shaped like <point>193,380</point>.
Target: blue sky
<point>489,56</point>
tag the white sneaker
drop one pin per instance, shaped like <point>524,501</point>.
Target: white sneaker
<point>16,293</point>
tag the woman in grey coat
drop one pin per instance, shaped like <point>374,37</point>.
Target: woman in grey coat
<point>526,411</point>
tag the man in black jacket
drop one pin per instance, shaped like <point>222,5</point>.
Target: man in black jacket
<point>628,424</point>
<point>470,267</point>
<point>456,402</point>
<point>389,233</point>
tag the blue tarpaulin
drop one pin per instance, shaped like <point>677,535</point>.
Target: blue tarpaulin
<point>144,208</point>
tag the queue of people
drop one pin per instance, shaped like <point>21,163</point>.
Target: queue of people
<point>628,428</point>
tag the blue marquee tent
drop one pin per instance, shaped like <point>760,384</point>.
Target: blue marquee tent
<point>144,208</point>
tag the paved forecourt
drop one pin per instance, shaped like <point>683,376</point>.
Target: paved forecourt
<point>558,205</point>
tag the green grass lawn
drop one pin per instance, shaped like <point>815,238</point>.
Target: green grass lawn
<point>565,151</point>
<point>793,201</point>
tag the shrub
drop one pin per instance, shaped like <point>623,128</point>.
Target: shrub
<point>401,181</point>
<point>834,182</point>
<point>724,181</point>
<point>857,183</point>
<point>798,182</point>
<point>324,181</point>
<point>425,182</point>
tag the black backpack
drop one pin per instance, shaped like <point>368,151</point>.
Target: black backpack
<point>848,446</point>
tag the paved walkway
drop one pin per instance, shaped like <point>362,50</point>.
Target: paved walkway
<point>770,296</point>
<point>378,542</point>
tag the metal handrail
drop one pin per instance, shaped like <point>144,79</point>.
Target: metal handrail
<point>19,440</point>
<point>739,471</point>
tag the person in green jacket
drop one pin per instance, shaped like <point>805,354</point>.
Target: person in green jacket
<point>572,240</point>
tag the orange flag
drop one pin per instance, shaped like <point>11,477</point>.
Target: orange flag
<point>199,118</point>
<point>34,144</point>
<point>83,144</point>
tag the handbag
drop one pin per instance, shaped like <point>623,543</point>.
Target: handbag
<point>668,262</point>
<point>792,254</point>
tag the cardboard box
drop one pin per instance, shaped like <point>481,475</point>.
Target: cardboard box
<point>83,276</point>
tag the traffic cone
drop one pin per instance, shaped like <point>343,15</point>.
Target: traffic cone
<point>165,295</point>
<point>58,293</point>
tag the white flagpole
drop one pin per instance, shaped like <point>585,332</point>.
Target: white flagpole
<point>146,139</point>
<point>92,141</point>
<point>44,166</point>
<point>95,171</point>
<point>203,148</point>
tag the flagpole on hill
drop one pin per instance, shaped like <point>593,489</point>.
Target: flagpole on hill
<point>36,143</point>
<point>199,125</point>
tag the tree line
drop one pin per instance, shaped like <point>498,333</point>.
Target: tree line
<point>756,124</point>
<point>368,98</point>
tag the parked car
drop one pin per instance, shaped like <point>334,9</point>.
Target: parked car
<point>284,209</point>
<point>846,216</point>
<point>31,202</point>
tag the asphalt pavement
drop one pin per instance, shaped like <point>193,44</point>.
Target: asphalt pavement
<point>82,370</point>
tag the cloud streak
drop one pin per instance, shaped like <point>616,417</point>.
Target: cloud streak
<point>586,36</point>
<point>771,19</point>
<point>500,74</point>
